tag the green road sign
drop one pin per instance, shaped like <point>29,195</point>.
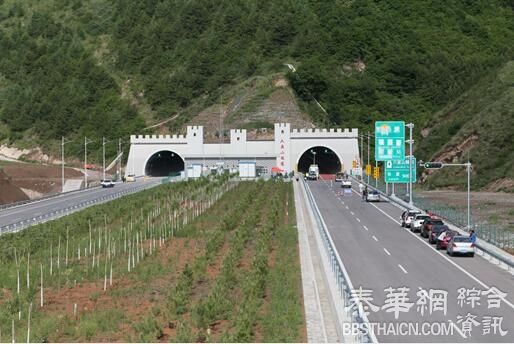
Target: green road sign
<point>397,171</point>
<point>389,140</point>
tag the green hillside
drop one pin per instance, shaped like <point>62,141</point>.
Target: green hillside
<point>478,123</point>
<point>111,67</point>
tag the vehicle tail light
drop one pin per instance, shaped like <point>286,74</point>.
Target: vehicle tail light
<point>472,245</point>
<point>454,245</point>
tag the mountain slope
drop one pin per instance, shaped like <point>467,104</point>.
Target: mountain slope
<point>478,123</point>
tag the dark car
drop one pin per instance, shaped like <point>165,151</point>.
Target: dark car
<point>435,232</point>
<point>443,244</point>
<point>427,226</point>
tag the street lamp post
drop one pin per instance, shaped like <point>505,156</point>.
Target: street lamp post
<point>62,161</point>
<point>313,157</point>
<point>411,142</point>
<point>86,142</point>
<point>469,167</point>
<point>104,142</point>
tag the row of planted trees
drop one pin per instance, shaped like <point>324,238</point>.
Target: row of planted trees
<point>237,292</point>
<point>98,245</point>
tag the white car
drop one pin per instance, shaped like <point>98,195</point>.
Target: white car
<point>408,216</point>
<point>460,244</point>
<point>107,183</point>
<point>346,184</point>
<point>339,177</point>
<point>373,196</point>
<point>417,222</point>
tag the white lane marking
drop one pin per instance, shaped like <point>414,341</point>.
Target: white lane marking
<point>375,238</point>
<point>347,208</point>
<point>351,212</point>
<point>366,228</point>
<point>511,305</point>
<point>386,251</point>
<point>403,269</point>
<point>358,220</point>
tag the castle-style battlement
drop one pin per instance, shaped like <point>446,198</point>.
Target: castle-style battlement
<point>324,133</point>
<point>149,139</point>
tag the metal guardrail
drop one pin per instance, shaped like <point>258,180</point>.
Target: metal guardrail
<point>18,226</point>
<point>342,279</point>
<point>404,205</point>
<point>16,204</point>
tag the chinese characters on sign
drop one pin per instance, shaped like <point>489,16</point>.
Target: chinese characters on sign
<point>436,301</point>
<point>282,153</point>
<point>389,140</point>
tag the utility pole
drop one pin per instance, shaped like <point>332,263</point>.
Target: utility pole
<point>62,161</point>
<point>468,168</point>
<point>103,157</point>
<point>411,142</point>
<point>367,163</point>
<point>86,142</point>
<point>119,159</point>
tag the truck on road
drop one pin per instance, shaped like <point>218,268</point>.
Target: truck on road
<point>313,172</point>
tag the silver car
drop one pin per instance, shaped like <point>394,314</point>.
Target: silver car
<point>461,245</point>
<point>373,196</point>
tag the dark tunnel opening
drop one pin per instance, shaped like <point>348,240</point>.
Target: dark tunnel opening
<point>326,159</point>
<point>164,163</point>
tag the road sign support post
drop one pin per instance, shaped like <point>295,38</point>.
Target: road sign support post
<point>376,179</point>
<point>367,162</point>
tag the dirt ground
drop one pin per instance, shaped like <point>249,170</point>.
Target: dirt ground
<point>491,207</point>
<point>41,179</point>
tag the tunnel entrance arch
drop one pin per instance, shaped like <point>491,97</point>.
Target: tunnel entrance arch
<point>327,160</point>
<point>164,163</point>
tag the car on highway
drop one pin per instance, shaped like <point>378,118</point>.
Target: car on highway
<point>407,217</point>
<point>107,183</point>
<point>435,232</point>
<point>442,243</point>
<point>427,225</point>
<point>347,184</point>
<point>460,244</point>
<point>373,196</point>
<point>417,222</point>
<point>339,176</point>
<point>131,178</point>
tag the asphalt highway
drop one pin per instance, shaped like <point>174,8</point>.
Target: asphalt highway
<point>79,199</point>
<point>406,280</point>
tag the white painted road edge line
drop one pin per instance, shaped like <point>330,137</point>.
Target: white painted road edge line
<point>511,305</point>
<point>403,269</point>
<point>386,251</point>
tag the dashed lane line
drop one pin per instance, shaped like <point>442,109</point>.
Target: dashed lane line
<point>403,269</point>
<point>467,273</point>
<point>374,238</point>
<point>386,251</point>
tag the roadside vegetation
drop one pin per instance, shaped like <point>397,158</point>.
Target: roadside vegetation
<point>196,261</point>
